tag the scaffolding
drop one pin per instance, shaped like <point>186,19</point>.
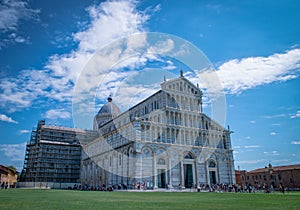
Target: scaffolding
<point>53,154</point>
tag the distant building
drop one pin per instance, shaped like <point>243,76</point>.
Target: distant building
<point>288,175</point>
<point>239,175</point>
<point>8,177</point>
<point>53,156</point>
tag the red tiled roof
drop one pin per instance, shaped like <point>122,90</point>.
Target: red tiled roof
<point>276,168</point>
<point>6,170</point>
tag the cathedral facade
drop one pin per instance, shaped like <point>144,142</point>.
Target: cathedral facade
<point>164,141</point>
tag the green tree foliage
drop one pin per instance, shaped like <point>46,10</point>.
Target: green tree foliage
<point>12,168</point>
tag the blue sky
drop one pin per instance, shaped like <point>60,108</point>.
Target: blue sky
<point>253,45</point>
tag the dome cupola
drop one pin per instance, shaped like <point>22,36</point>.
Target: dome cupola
<point>107,112</point>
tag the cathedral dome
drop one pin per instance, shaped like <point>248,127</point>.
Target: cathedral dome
<point>107,112</point>
<point>109,108</point>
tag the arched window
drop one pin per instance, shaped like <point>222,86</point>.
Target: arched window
<point>212,164</point>
<point>188,156</point>
<point>161,161</point>
<point>146,152</point>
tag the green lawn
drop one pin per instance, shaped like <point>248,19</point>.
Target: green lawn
<point>65,199</point>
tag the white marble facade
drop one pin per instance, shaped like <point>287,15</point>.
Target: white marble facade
<point>163,141</point>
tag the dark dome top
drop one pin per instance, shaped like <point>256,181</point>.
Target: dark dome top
<point>107,112</point>
<point>110,108</point>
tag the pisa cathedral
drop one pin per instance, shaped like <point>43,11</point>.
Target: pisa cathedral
<point>163,141</point>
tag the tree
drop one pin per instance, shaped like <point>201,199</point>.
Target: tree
<point>12,168</point>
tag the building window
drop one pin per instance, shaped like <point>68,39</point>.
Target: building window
<point>279,177</point>
<point>265,178</point>
<point>212,164</point>
<point>161,161</point>
<point>224,142</point>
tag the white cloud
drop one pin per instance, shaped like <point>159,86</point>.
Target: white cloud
<point>11,12</point>
<point>7,119</point>
<point>273,153</point>
<point>252,121</point>
<point>57,114</point>
<point>109,21</point>
<point>251,146</point>
<point>24,131</point>
<point>239,75</point>
<point>273,133</point>
<point>15,152</point>
<point>295,142</point>
<point>250,161</point>
<point>274,116</point>
<point>162,47</point>
<point>296,115</point>
<point>276,124</point>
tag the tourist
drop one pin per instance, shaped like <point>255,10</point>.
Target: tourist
<point>281,188</point>
<point>179,186</point>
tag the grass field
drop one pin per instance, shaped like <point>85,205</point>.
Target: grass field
<point>66,199</point>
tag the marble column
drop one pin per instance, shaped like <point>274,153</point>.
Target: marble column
<point>154,173</point>
<point>182,174</point>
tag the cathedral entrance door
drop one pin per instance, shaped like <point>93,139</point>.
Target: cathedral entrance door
<point>212,177</point>
<point>188,175</point>
<point>161,178</point>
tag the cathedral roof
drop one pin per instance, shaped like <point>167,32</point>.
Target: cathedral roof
<point>109,108</point>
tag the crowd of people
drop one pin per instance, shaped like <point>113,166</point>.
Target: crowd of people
<point>199,188</point>
<point>4,185</point>
<point>102,187</point>
<point>240,188</point>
